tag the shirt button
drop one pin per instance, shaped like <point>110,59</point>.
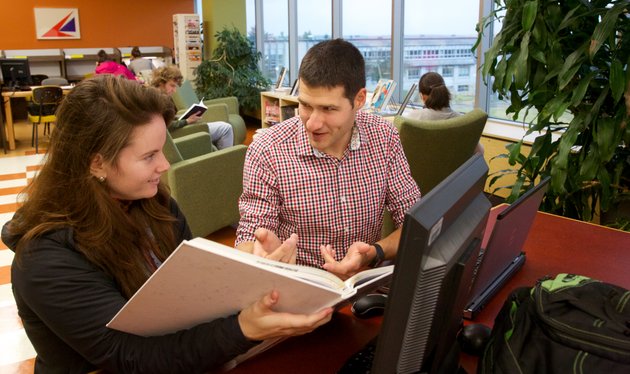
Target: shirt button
<point>343,199</point>
<point>346,230</point>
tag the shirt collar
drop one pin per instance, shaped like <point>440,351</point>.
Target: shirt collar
<point>304,148</point>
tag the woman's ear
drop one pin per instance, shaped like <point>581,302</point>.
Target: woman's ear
<point>97,166</point>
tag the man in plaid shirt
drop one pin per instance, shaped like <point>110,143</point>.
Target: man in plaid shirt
<point>315,186</point>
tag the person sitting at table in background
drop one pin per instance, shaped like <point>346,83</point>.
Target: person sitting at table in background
<point>167,79</point>
<point>105,65</point>
<point>139,63</point>
<point>437,101</point>
<point>95,223</point>
<point>328,174</point>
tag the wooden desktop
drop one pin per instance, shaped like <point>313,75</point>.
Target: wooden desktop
<point>555,245</point>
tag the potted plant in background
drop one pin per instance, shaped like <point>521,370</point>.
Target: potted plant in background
<point>565,64</point>
<point>232,71</point>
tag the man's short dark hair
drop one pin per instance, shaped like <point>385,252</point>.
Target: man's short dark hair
<point>333,63</point>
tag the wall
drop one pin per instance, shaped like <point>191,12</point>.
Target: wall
<point>218,14</point>
<point>114,23</point>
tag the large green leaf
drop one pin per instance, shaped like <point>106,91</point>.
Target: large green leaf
<point>605,28</point>
<point>570,67</point>
<point>605,137</point>
<point>617,80</point>
<point>580,89</point>
<point>529,14</point>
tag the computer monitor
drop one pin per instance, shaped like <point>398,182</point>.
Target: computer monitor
<point>438,248</point>
<point>15,72</point>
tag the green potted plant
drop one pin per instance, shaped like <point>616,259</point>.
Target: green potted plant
<point>565,65</point>
<point>232,71</point>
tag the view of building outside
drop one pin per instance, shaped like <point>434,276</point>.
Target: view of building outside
<point>434,39</point>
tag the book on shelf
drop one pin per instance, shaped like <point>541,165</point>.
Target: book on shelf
<point>197,108</point>
<point>203,280</point>
<point>382,94</point>
<point>281,75</point>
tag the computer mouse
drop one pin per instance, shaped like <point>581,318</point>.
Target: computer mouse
<point>369,306</point>
<point>473,338</point>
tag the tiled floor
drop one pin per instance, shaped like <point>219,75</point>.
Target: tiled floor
<point>16,168</point>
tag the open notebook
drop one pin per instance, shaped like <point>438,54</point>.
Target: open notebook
<point>502,253</point>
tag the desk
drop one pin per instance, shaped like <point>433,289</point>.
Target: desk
<point>6,98</point>
<point>555,245</point>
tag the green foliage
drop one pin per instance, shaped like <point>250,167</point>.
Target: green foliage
<point>567,59</point>
<point>232,71</point>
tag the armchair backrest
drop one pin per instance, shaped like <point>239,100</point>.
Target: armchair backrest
<point>434,149</point>
<point>171,152</point>
<point>185,95</point>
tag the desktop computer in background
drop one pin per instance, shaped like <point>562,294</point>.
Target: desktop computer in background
<point>16,72</point>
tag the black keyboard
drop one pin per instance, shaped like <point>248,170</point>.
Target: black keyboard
<point>360,362</point>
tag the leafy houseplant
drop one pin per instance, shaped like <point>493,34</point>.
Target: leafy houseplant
<point>232,71</point>
<point>566,63</point>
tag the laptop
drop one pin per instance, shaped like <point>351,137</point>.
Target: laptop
<point>402,107</point>
<point>501,254</point>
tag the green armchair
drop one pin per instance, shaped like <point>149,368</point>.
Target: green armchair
<point>221,109</point>
<point>206,185</point>
<point>435,149</point>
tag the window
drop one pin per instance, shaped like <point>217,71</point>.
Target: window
<point>314,23</point>
<point>463,70</point>
<point>438,39</point>
<point>413,73</point>
<point>367,24</point>
<point>462,88</point>
<point>447,71</point>
<point>276,37</point>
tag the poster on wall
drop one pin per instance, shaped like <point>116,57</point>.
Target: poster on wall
<point>57,23</point>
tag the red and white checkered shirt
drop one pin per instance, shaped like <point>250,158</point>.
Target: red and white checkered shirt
<point>289,187</point>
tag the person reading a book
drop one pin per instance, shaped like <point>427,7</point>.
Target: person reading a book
<point>436,98</point>
<point>325,177</point>
<point>95,223</point>
<point>167,79</point>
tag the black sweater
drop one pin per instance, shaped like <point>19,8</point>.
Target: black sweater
<point>64,303</point>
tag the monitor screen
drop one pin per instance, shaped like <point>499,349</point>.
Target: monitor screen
<point>15,72</point>
<point>438,248</point>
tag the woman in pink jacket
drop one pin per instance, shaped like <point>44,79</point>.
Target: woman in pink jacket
<point>106,65</point>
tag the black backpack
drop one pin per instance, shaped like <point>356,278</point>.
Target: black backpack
<point>570,324</point>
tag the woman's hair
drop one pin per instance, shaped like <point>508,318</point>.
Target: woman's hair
<point>102,56</point>
<point>165,74</point>
<point>333,63</point>
<point>432,84</point>
<point>98,117</point>
<point>135,52</point>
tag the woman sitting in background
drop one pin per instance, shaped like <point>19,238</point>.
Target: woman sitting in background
<point>139,63</point>
<point>105,65</point>
<point>96,222</point>
<point>436,98</point>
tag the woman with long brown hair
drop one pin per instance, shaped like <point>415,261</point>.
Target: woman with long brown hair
<point>95,223</point>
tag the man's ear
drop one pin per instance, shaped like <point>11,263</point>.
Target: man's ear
<point>359,99</point>
<point>97,166</point>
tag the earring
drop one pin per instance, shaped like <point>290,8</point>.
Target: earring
<point>101,179</point>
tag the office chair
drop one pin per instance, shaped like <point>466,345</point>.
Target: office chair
<point>42,110</point>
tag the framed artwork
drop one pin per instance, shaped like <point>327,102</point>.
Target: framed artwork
<point>57,23</point>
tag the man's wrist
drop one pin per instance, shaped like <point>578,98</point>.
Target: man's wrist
<point>378,257</point>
